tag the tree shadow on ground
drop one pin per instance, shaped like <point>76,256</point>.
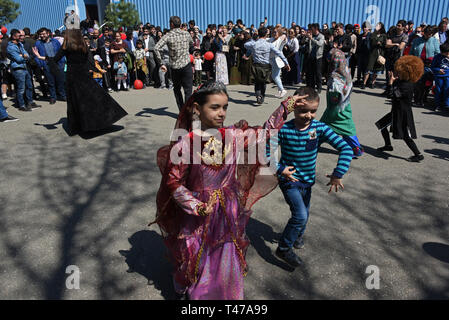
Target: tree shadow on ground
<point>84,194</point>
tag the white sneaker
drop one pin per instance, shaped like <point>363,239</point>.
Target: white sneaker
<point>282,94</point>
<point>4,96</point>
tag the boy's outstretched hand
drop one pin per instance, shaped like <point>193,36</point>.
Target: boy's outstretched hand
<point>335,182</point>
<point>288,173</point>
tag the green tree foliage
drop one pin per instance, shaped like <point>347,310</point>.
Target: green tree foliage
<point>122,14</point>
<point>9,10</point>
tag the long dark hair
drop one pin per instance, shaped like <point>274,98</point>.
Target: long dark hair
<point>73,41</point>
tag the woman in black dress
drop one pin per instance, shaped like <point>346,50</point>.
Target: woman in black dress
<point>89,107</point>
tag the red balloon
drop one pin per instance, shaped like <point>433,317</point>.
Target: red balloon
<point>138,84</point>
<point>192,58</point>
<point>123,36</point>
<point>4,30</point>
<point>209,55</point>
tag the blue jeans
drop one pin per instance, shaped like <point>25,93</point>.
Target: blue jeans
<point>441,91</point>
<point>99,81</point>
<point>24,86</point>
<point>55,83</point>
<point>3,113</point>
<point>276,75</point>
<point>298,198</point>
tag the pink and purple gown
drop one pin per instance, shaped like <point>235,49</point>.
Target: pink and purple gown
<point>208,252</point>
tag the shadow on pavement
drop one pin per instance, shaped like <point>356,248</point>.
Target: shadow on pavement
<point>437,250</point>
<point>147,112</point>
<point>259,233</point>
<point>148,257</point>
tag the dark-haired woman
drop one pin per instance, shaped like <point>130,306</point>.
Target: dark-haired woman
<point>89,107</point>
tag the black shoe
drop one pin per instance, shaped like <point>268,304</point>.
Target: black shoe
<point>52,101</point>
<point>419,104</point>
<point>299,243</point>
<point>363,86</point>
<point>9,119</point>
<point>33,105</point>
<point>417,158</point>
<point>63,99</point>
<point>25,108</point>
<point>371,86</point>
<point>289,256</point>
<point>385,148</point>
<point>259,100</point>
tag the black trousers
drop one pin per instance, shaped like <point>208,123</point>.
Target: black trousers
<point>262,73</point>
<point>313,76</point>
<point>408,141</point>
<point>182,78</point>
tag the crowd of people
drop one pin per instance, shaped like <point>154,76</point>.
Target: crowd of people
<point>119,57</point>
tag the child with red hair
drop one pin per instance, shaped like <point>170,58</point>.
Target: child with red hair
<point>407,71</point>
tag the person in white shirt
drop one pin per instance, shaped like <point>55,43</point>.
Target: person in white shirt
<point>279,40</point>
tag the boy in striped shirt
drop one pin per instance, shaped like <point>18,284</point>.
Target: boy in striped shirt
<point>299,140</point>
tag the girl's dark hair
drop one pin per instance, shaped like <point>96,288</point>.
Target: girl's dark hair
<point>201,96</point>
<point>139,42</point>
<point>382,28</point>
<point>73,41</point>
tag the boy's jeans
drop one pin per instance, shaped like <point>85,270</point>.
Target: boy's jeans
<point>298,198</point>
<point>3,113</point>
<point>24,86</point>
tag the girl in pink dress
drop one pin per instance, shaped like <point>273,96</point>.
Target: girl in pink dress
<point>203,206</point>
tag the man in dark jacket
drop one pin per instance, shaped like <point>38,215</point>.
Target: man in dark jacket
<point>343,40</point>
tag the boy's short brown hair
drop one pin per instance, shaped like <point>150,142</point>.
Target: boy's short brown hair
<point>312,94</point>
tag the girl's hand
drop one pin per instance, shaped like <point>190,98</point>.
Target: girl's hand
<point>211,204</point>
<point>334,183</point>
<point>288,173</point>
<point>300,100</point>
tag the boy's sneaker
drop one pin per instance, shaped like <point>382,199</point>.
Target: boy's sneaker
<point>299,243</point>
<point>4,96</point>
<point>9,119</point>
<point>259,100</point>
<point>110,90</point>
<point>289,256</point>
<point>25,108</point>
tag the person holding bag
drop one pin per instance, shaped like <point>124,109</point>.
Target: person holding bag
<point>377,44</point>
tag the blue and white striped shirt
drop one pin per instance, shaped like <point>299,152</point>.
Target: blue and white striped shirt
<point>299,149</point>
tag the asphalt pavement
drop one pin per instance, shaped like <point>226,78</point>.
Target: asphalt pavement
<point>86,201</point>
